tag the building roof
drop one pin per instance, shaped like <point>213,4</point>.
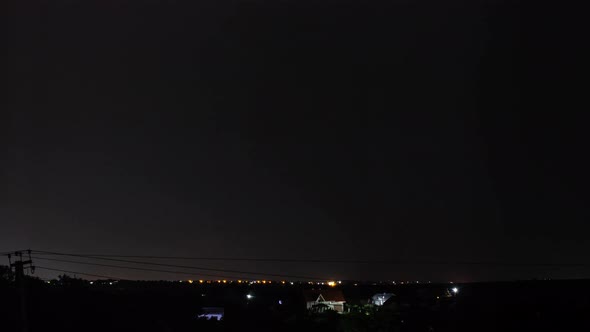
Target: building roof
<point>334,295</point>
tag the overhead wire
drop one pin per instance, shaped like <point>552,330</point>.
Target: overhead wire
<point>289,260</point>
<point>248,259</point>
<point>183,266</point>
<point>13,252</point>
<point>76,272</point>
<point>133,268</point>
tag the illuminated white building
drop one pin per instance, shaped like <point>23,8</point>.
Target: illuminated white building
<point>380,298</point>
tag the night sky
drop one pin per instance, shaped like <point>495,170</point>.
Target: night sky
<point>370,130</point>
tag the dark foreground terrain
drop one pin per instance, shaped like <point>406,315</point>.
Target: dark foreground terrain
<point>76,305</point>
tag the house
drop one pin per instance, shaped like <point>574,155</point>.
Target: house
<point>324,299</point>
<point>213,313</point>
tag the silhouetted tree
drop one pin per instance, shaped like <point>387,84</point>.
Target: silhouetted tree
<point>6,274</point>
<point>68,281</point>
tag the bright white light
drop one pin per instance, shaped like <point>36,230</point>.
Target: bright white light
<point>280,302</point>
<point>249,296</point>
<point>455,290</point>
<point>92,282</point>
<point>110,283</point>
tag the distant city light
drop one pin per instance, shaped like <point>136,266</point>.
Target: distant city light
<point>331,283</point>
<point>110,283</point>
<point>455,290</point>
<point>280,302</point>
<point>249,296</point>
<point>200,281</point>
<point>291,283</point>
<point>225,281</point>
<point>92,282</point>
<point>190,281</point>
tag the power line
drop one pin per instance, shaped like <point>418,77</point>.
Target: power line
<point>132,268</point>
<point>249,259</point>
<point>182,266</point>
<point>289,260</point>
<point>6,253</point>
<point>74,272</point>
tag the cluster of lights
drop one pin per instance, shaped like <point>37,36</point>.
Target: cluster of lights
<point>240,281</point>
<point>331,283</point>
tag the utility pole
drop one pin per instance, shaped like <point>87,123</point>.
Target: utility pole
<point>19,279</point>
